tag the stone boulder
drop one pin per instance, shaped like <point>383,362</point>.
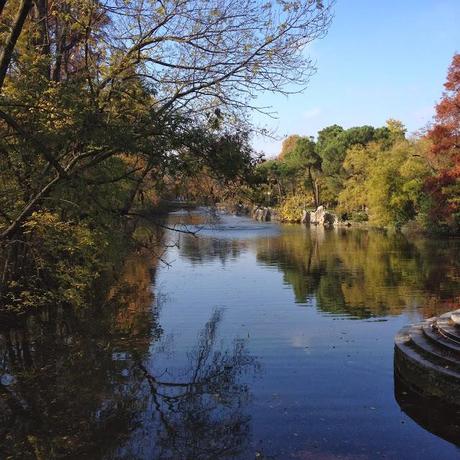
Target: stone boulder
<point>261,214</point>
<point>241,210</point>
<point>322,217</point>
<point>305,217</point>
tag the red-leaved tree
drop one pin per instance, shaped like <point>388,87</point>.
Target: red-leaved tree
<point>444,186</point>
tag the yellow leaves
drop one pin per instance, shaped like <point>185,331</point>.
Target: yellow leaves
<point>388,181</point>
<point>70,236</point>
<point>282,27</point>
<point>160,11</point>
<point>292,207</point>
<point>255,68</point>
<point>66,252</point>
<point>53,110</point>
<point>414,167</point>
<point>40,219</point>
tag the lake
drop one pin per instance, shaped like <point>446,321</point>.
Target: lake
<point>247,340</point>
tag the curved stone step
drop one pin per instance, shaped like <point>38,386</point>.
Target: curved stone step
<point>444,316</point>
<point>417,360</point>
<point>428,359</point>
<point>437,338</point>
<point>432,351</point>
<point>455,317</point>
<point>449,329</point>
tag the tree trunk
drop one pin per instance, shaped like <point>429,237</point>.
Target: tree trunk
<point>42,40</point>
<point>61,33</point>
<point>2,5</point>
<point>7,52</point>
<point>29,209</point>
<point>314,188</point>
<point>132,196</point>
<point>317,192</point>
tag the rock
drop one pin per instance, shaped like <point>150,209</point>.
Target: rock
<point>329,219</point>
<point>241,210</point>
<point>317,217</point>
<point>274,216</point>
<point>261,214</point>
<point>305,217</point>
<point>322,217</point>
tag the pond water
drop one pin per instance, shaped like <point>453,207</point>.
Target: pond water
<point>249,341</point>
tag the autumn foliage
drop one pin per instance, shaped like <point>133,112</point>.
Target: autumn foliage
<point>444,186</point>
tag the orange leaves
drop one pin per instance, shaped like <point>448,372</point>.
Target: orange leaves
<point>445,133</point>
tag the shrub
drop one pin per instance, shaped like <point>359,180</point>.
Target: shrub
<point>292,207</point>
<point>59,261</point>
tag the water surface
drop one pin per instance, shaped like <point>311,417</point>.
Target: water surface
<point>251,341</point>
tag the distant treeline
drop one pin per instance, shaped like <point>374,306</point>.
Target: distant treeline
<point>373,174</point>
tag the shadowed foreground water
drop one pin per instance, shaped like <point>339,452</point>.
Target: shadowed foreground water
<point>256,341</point>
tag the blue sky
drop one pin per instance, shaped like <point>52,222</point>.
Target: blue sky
<point>380,60</point>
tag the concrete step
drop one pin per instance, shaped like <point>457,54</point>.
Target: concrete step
<point>427,358</point>
<point>455,317</point>
<point>432,351</point>
<point>444,342</point>
<point>449,329</point>
<point>403,345</point>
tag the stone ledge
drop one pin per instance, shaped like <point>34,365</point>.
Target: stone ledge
<point>428,359</point>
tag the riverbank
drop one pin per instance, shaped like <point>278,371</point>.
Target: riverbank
<point>330,219</point>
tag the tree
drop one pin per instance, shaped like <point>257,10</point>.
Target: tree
<point>445,132</point>
<point>101,101</point>
<point>304,159</point>
<point>138,68</point>
<point>385,183</point>
<point>331,150</point>
<point>395,185</point>
<point>444,186</point>
<point>288,145</point>
<point>369,147</point>
<point>396,128</point>
<point>333,143</point>
<point>353,198</point>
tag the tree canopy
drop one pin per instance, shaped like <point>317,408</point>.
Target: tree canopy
<point>106,106</point>
<point>444,187</point>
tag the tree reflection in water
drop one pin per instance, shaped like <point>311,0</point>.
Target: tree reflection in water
<point>202,249</point>
<point>78,384</point>
<point>201,415</point>
<point>364,273</point>
<point>70,390</point>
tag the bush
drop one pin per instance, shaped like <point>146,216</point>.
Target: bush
<point>359,216</point>
<point>58,260</point>
<point>292,207</point>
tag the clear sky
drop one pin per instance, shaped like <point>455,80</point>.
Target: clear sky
<point>381,59</point>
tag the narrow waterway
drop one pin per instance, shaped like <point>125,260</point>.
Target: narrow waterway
<point>249,341</point>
